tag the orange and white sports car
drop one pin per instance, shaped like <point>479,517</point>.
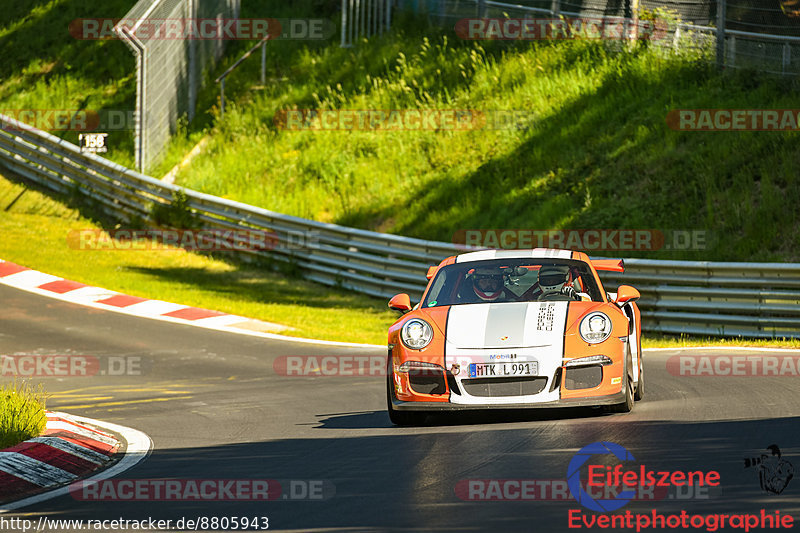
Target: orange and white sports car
<point>515,329</point>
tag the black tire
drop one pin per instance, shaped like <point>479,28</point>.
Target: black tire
<point>401,418</point>
<point>638,394</point>
<point>627,405</point>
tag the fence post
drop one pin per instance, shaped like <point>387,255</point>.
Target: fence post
<point>369,12</point>
<point>481,9</point>
<point>721,6</point>
<point>364,14</point>
<point>222,99</point>
<point>344,24</point>
<point>263,64</point>
<point>192,45</point>
<point>356,21</point>
<point>634,34</point>
<point>555,8</point>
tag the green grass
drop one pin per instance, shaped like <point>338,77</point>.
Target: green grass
<point>22,413</point>
<point>598,153</point>
<point>35,230</point>
<point>199,280</point>
<point>653,340</point>
<point>46,68</point>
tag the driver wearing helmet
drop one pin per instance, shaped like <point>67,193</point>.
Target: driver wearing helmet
<point>554,283</point>
<point>488,284</point>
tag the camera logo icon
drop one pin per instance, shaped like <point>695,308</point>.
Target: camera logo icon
<point>774,473</point>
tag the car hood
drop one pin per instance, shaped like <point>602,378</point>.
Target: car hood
<point>506,325</point>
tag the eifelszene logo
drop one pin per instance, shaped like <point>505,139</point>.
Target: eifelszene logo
<point>574,476</point>
<point>617,477</point>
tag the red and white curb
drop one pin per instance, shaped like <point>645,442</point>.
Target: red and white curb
<point>70,448</point>
<point>24,278</point>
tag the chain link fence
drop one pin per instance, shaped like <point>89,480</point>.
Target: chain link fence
<point>762,35</point>
<point>169,69</point>
<point>364,18</point>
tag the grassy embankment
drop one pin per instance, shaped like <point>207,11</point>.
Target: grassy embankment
<point>597,153</point>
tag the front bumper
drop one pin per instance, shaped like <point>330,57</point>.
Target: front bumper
<point>593,401</point>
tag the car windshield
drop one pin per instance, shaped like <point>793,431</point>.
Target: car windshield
<point>512,280</point>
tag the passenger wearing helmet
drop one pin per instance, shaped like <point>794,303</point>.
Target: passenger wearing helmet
<point>488,284</point>
<point>553,281</point>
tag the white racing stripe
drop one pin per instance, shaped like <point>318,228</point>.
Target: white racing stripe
<point>530,331</point>
<point>506,325</point>
<point>466,325</point>
<point>535,253</point>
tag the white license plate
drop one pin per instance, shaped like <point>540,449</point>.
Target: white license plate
<point>499,370</point>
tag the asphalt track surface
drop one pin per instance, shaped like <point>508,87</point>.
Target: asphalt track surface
<point>216,408</point>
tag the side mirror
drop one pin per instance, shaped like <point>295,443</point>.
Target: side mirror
<point>431,272</point>
<point>401,302</point>
<point>626,294</point>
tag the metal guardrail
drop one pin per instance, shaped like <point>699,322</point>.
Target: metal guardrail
<point>729,299</point>
<point>718,299</point>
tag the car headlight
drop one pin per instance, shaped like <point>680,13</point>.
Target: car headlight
<point>595,327</point>
<point>416,334</point>
<point>418,366</point>
<point>601,360</point>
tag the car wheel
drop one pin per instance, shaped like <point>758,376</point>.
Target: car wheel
<point>627,405</point>
<point>639,393</point>
<point>401,418</point>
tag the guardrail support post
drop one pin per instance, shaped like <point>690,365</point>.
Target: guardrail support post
<point>676,37</point>
<point>787,57</point>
